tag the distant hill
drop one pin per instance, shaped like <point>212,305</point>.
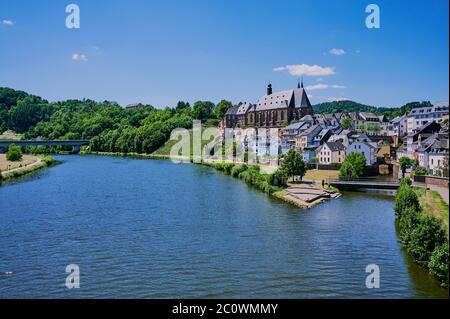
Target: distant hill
<point>351,106</point>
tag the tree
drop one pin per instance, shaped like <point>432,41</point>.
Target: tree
<point>202,110</point>
<point>353,166</point>
<point>439,263</point>
<point>404,162</point>
<point>221,108</point>
<point>294,165</point>
<point>426,236</point>
<point>405,198</point>
<point>14,153</point>
<point>28,112</point>
<point>182,105</point>
<point>346,123</point>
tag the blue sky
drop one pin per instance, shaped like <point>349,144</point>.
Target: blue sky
<point>159,52</point>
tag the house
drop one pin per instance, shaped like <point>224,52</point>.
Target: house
<point>420,116</point>
<point>230,118</point>
<point>344,137</point>
<point>433,153</point>
<point>364,147</point>
<point>438,156</point>
<point>399,126</point>
<point>241,114</point>
<point>289,133</point>
<point>330,152</point>
<point>306,138</point>
<point>322,137</point>
<point>308,154</point>
<point>414,139</point>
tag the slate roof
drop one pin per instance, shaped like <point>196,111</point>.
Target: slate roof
<point>243,108</point>
<point>282,99</point>
<point>335,146</point>
<point>398,119</point>
<point>232,110</point>
<point>309,130</point>
<point>294,126</point>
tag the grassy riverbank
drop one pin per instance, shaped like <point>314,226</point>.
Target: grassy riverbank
<point>27,165</point>
<point>421,219</point>
<point>433,204</point>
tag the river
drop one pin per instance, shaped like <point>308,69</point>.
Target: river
<point>154,229</point>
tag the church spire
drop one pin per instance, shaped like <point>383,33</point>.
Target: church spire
<point>302,82</point>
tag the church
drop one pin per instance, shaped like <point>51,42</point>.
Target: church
<point>273,110</point>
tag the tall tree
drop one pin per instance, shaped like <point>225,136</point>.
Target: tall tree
<point>182,105</point>
<point>202,110</point>
<point>221,108</point>
<point>294,165</point>
<point>353,166</point>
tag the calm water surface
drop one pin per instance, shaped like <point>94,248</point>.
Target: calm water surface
<point>153,229</point>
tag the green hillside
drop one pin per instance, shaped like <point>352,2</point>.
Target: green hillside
<point>351,106</point>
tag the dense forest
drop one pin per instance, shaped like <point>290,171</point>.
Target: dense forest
<point>350,106</point>
<point>111,128</point>
<point>107,125</point>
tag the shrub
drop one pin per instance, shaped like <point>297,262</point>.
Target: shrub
<point>420,171</point>
<point>253,177</point>
<point>238,169</point>
<point>424,238</point>
<point>246,176</point>
<point>224,167</point>
<point>439,263</point>
<point>406,181</point>
<point>278,178</point>
<point>405,198</point>
<point>48,160</point>
<point>408,221</point>
<point>14,153</point>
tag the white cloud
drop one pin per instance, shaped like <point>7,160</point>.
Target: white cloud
<point>280,68</point>
<point>314,87</point>
<point>305,69</point>
<point>333,98</point>
<point>323,86</point>
<point>79,57</point>
<point>335,51</point>
<point>7,22</point>
<point>335,86</point>
<point>319,79</point>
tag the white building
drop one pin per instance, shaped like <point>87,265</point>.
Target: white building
<point>366,148</point>
<point>330,152</point>
<point>423,115</point>
<point>399,126</point>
